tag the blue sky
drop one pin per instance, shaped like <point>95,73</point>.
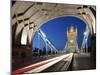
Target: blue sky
<point>55,31</point>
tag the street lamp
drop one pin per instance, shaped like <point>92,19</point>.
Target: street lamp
<point>85,34</point>
<point>46,46</point>
<point>38,43</point>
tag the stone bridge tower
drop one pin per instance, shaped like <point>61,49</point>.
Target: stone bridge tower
<point>71,44</point>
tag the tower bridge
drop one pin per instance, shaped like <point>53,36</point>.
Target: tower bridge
<point>27,17</point>
<point>71,42</point>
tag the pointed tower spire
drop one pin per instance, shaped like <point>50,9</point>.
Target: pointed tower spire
<point>67,30</point>
<point>76,29</point>
<point>72,29</point>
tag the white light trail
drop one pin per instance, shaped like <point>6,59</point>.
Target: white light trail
<point>55,60</point>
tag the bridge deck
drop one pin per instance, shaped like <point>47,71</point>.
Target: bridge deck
<point>82,62</point>
<point>79,62</point>
<point>65,62</point>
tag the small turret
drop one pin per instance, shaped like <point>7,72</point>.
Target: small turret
<point>67,30</point>
<point>76,30</point>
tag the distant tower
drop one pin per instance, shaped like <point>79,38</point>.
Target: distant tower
<point>71,44</point>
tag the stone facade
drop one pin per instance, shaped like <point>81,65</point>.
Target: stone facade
<point>72,45</point>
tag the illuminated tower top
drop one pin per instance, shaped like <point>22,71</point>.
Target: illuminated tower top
<point>71,43</point>
<point>72,29</point>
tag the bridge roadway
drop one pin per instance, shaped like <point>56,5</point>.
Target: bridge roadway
<point>79,62</point>
<point>82,62</point>
<point>65,62</point>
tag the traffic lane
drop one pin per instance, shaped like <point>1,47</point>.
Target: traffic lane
<point>22,70</point>
<point>63,65</point>
<point>45,66</point>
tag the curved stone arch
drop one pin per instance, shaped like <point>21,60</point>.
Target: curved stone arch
<point>79,17</point>
<point>90,18</point>
<point>44,18</point>
<point>51,18</point>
